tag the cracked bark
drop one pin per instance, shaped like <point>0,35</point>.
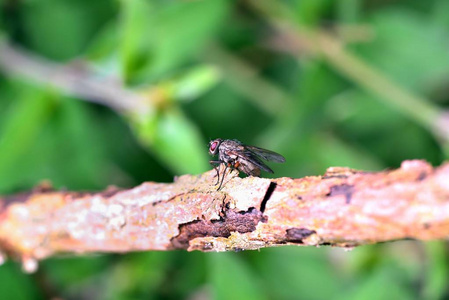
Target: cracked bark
<point>344,207</point>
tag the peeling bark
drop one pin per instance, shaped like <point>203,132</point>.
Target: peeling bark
<point>344,207</point>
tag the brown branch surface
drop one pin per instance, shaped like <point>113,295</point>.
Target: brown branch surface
<point>344,207</point>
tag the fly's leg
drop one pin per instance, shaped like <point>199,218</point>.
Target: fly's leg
<point>231,165</point>
<point>222,178</point>
<point>216,165</point>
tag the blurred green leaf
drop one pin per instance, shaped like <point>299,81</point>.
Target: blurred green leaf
<point>72,272</point>
<point>174,139</point>
<point>15,284</point>
<point>157,38</point>
<point>292,272</point>
<point>265,95</point>
<point>232,278</point>
<point>61,29</point>
<point>404,39</point>
<point>387,282</point>
<point>20,128</point>
<point>363,121</point>
<point>137,276</point>
<point>437,275</point>
<point>189,275</point>
<point>440,15</point>
<point>343,154</point>
<point>74,147</point>
<point>135,26</point>
<point>310,11</point>
<point>193,83</point>
<point>348,10</point>
<point>103,51</point>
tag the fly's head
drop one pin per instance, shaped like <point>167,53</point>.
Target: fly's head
<point>213,146</point>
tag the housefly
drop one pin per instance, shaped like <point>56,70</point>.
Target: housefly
<point>235,155</point>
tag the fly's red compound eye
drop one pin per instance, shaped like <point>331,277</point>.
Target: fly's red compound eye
<point>213,146</point>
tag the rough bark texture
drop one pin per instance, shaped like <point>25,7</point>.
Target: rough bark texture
<point>344,207</point>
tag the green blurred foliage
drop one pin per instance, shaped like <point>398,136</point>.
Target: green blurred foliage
<point>218,69</point>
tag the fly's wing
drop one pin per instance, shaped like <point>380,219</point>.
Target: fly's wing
<point>249,158</point>
<point>248,168</point>
<point>266,154</point>
<point>249,163</point>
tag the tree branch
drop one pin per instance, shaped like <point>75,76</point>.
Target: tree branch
<point>344,208</point>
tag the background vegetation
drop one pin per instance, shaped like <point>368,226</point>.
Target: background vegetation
<point>326,83</point>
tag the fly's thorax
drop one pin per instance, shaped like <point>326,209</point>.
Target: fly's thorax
<point>227,158</point>
<point>227,151</point>
<point>231,144</point>
<point>228,146</point>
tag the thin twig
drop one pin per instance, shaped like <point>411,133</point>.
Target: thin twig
<point>75,79</point>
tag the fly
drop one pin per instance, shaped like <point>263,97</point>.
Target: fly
<point>235,155</point>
